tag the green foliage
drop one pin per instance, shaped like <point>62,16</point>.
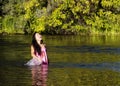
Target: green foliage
<point>39,24</point>
<point>8,24</point>
<point>61,16</point>
<point>111,3</point>
<point>0,24</point>
<point>54,19</point>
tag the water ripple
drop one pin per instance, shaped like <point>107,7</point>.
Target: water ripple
<point>91,49</point>
<point>115,66</point>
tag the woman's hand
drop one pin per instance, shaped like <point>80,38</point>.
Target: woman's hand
<point>39,59</point>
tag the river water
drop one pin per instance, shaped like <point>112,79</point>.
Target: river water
<point>73,61</point>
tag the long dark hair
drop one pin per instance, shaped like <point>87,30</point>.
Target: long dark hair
<point>36,46</point>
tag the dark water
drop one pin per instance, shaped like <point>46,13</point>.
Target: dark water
<point>74,61</point>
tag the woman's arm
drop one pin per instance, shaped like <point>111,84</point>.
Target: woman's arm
<point>32,52</point>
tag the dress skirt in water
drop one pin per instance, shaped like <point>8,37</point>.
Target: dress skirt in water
<point>36,61</point>
<point>33,61</point>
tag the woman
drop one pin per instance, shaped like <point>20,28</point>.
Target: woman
<point>38,51</point>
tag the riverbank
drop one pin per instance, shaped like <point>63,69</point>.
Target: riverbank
<point>60,17</point>
<point>65,33</point>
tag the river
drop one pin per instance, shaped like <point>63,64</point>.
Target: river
<point>73,61</point>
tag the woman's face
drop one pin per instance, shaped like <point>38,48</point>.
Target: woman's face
<point>38,37</point>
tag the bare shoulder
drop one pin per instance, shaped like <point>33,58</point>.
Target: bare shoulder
<point>32,47</point>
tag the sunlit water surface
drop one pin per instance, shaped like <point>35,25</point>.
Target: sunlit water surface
<point>73,61</point>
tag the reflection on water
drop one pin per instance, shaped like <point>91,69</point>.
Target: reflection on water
<point>39,75</point>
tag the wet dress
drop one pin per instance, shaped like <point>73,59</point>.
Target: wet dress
<point>35,61</point>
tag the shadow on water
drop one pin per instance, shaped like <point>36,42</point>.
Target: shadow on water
<point>114,66</point>
<point>90,49</point>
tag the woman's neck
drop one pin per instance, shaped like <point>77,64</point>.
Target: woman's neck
<point>38,42</point>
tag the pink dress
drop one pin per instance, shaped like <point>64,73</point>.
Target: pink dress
<point>35,61</point>
<point>43,55</point>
